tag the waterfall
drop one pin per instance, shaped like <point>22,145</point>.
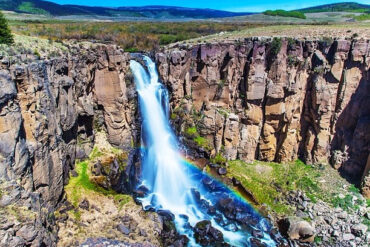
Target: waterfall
<point>173,183</point>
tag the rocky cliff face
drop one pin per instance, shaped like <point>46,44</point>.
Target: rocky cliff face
<point>275,100</point>
<point>255,99</point>
<point>49,110</point>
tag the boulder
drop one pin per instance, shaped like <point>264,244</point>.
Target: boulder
<point>123,229</point>
<point>84,204</point>
<point>297,229</point>
<point>359,229</point>
<point>206,235</point>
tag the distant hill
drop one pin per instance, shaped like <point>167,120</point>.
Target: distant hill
<point>154,12</point>
<point>338,7</point>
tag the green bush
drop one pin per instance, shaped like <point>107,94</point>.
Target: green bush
<point>284,13</point>
<point>275,46</point>
<point>36,53</point>
<point>6,36</point>
<point>219,159</point>
<point>192,133</point>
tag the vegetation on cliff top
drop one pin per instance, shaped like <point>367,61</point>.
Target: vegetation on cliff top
<point>6,36</point>
<point>131,36</point>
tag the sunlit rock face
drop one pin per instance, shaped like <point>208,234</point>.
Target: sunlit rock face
<point>49,112</point>
<point>309,100</point>
<point>203,209</point>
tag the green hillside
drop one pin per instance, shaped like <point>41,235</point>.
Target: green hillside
<point>338,7</point>
<point>153,12</point>
<point>37,7</point>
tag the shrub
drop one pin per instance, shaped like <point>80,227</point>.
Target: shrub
<point>275,46</point>
<point>36,53</point>
<point>192,133</point>
<point>292,60</point>
<point>6,36</point>
<point>219,159</point>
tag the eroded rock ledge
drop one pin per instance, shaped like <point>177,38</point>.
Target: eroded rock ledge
<point>255,99</point>
<point>275,100</point>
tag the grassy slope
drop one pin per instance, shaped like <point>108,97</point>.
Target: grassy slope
<point>83,186</point>
<point>270,183</point>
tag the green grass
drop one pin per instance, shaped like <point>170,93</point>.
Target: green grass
<point>366,222</point>
<point>269,181</point>
<point>192,133</point>
<point>363,17</point>
<point>318,240</point>
<point>201,141</point>
<point>79,186</point>
<point>95,153</point>
<point>218,159</point>
<point>82,186</point>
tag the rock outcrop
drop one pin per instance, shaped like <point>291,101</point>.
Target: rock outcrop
<point>49,110</point>
<point>275,100</point>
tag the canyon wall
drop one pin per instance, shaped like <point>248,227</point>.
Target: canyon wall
<point>275,100</point>
<point>50,110</point>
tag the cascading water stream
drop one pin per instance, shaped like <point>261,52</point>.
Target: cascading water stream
<point>177,186</point>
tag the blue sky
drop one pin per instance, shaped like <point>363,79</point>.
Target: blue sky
<point>231,5</point>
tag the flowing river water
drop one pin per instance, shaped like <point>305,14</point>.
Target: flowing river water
<point>177,186</point>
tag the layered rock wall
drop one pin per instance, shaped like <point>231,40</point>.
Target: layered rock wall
<point>49,111</point>
<point>275,100</point>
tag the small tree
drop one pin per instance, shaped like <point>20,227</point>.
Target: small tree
<point>6,36</point>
